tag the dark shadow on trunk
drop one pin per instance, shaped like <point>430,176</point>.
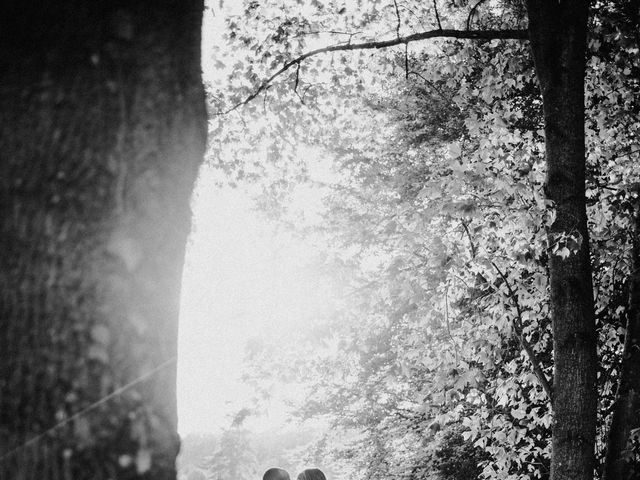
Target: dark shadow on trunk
<point>620,461</point>
<point>558,43</point>
<point>103,130</point>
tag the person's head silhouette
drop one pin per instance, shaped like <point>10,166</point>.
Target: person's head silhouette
<point>276,474</point>
<point>312,474</point>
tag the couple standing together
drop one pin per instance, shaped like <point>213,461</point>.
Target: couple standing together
<point>280,474</point>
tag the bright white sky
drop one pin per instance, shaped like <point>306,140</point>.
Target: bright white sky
<point>241,280</point>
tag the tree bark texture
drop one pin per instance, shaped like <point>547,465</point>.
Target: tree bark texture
<point>558,42</point>
<point>102,131</point>
<point>620,460</point>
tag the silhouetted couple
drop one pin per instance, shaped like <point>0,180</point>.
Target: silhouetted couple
<point>280,474</point>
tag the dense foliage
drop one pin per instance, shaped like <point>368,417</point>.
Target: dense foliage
<point>437,215</point>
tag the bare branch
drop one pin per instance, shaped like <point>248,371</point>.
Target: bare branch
<point>406,61</point>
<point>295,87</point>
<point>435,8</point>
<point>395,3</point>
<point>471,244</point>
<point>406,45</point>
<point>473,11</point>
<point>518,327</point>
<point>321,32</point>
<point>375,45</point>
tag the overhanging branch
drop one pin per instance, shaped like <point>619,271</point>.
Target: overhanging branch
<point>375,45</point>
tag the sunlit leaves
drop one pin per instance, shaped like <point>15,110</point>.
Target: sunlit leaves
<point>437,215</point>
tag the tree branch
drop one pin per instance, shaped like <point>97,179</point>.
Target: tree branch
<point>375,45</point>
<point>518,327</point>
<point>395,3</point>
<point>406,61</point>
<point>406,45</point>
<point>471,244</point>
<point>472,12</point>
<point>435,8</point>
<point>320,32</point>
<point>295,87</point>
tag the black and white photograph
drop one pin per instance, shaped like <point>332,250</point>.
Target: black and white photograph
<point>320,240</point>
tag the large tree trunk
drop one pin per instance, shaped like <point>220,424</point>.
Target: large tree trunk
<point>620,463</point>
<point>558,41</point>
<point>102,132</point>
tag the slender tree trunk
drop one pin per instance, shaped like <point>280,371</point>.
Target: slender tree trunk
<point>619,461</point>
<point>102,131</point>
<point>558,41</point>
